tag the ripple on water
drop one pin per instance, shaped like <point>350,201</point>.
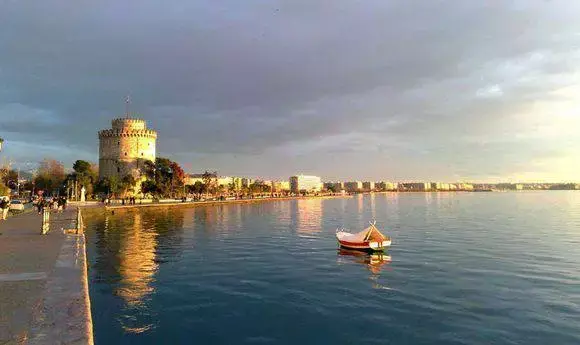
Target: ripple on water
<point>464,269</point>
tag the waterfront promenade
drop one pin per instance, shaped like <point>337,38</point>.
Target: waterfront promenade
<point>177,203</point>
<point>43,291</point>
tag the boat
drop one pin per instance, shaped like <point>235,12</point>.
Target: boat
<point>370,239</point>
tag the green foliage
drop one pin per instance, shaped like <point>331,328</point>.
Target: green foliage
<point>82,167</point>
<point>260,187</point>
<point>4,190</point>
<point>149,187</point>
<point>165,178</point>
<point>197,188</point>
<point>210,181</point>
<point>85,175</point>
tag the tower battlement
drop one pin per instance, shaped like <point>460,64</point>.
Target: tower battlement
<point>123,124</point>
<point>143,133</point>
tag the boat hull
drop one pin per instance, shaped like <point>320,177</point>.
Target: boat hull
<point>365,246</point>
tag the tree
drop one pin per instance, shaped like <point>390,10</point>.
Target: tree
<point>109,185</point>
<point>127,183</point>
<point>149,187</point>
<point>164,177</point>
<point>9,176</point>
<point>259,187</point>
<point>197,188</point>
<point>4,190</point>
<point>210,181</point>
<point>82,167</point>
<point>84,174</point>
<point>177,177</point>
<point>50,175</point>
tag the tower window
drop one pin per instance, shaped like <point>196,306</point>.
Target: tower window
<point>125,153</point>
<point>118,170</point>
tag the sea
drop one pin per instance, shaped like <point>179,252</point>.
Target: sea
<point>464,268</point>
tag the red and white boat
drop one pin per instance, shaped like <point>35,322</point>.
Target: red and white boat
<point>370,239</point>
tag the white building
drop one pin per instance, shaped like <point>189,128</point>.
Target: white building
<point>309,184</point>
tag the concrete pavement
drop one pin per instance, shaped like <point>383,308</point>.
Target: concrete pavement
<point>43,292</point>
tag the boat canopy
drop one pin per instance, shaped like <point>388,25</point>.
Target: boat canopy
<point>369,234</point>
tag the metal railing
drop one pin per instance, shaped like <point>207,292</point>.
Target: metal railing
<point>71,225</point>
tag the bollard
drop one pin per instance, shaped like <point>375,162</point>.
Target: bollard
<point>45,221</point>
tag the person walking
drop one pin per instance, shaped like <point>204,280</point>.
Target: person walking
<point>59,204</point>
<point>39,205</point>
<point>4,206</point>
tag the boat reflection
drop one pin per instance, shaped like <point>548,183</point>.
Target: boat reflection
<point>373,261</point>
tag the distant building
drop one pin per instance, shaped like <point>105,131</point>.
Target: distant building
<point>386,186</point>
<point>368,186</point>
<point>225,181</point>
<point>237,183</point>
<point>415,186</point>
<point>353,186</point>
<point>247,182</point>
<point>309,184</point>
<point>191,179</point>
<point>440,186</point>
<point>334,186</point>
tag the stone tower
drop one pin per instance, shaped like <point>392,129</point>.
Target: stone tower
<point>124,148</point>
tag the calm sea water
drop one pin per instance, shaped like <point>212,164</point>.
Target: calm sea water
<point>465,268</point>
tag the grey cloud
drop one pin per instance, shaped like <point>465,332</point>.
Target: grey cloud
<point>256,79</point>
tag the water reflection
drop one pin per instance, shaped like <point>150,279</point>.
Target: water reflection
<point>130,247</point>
<point>374,262</point>
<point>308,215</point>
<point>137,264</point>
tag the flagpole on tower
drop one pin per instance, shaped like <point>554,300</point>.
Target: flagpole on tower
<point>127,103</point>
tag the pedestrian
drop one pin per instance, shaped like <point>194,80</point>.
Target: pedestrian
<point>59,204</point>
<point>64,201</point>
<point>39,202</point>
<point>4,206</point>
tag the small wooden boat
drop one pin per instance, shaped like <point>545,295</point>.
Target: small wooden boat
<point>370,239</point>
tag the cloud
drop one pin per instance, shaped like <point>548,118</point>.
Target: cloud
<point>387,85</point>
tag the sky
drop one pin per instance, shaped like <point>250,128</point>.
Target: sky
<point>404,90</point>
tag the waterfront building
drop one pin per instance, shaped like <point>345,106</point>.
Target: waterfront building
<point>191,179</point>
<point>215,180</point>
<point>440,186</point>
<point>304,183</point>
<point>336,186</point>
<point>415,186</point>
<point>353,186</point>
<point>224,181</point>
<point>124,148</point>
<point>237,183</point>
<point>247,182</point>
<point>386,186</point>
<point>368,186</point>
<point>280,186</point>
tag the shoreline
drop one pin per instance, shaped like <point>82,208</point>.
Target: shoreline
<point>216,202</point>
